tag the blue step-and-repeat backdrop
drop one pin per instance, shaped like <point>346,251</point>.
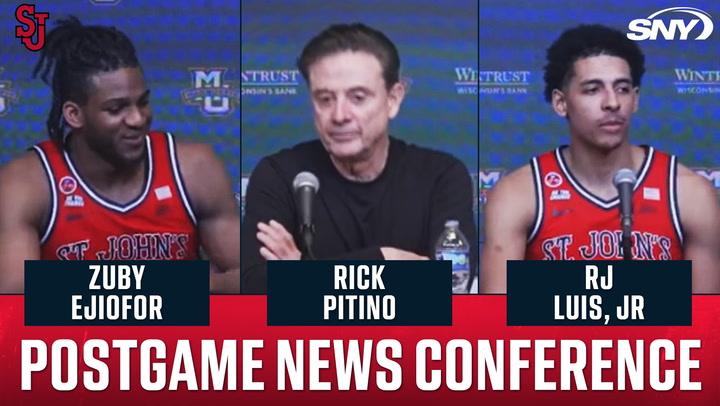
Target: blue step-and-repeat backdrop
<point>223,72</point>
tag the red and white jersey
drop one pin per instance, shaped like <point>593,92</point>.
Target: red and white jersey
<point>573,224</point>
<point>158,224</point>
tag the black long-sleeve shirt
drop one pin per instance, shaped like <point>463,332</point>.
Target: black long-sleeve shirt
<point>405,207</point>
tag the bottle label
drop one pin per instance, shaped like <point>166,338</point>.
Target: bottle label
<point>460,267</point>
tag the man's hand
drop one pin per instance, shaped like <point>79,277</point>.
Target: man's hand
<point>392,254</point>
<point>277,242</point>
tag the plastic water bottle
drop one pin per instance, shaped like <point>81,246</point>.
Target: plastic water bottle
<point>453,246</point>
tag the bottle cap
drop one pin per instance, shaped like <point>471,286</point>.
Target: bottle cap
<point>452,223</point>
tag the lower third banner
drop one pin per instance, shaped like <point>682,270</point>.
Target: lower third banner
<point>238,359</point>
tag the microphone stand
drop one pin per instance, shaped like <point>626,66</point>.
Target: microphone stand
<point>624,180</point>
<point>305,186</point>
<point>626,239</point>
<point>307,235</point>
<point>626,221</point>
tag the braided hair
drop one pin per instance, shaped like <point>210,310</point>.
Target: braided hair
<point>72,53</point>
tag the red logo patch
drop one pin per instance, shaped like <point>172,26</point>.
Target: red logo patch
<point>67,185</point>
<point>553,179</point>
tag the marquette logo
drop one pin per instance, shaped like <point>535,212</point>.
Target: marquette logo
<point>693,81</point>
<point>504,82</point>
<point>7,95</point>
<point>487,179</point>
<point>466,80</point>
<point>711,174</point>
<point>211,92</point>
<point>276,82</point>
<point>675,28</point>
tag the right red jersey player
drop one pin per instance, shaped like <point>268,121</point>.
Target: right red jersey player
<point>564,205</point>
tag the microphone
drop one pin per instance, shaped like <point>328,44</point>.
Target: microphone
<point>306,185</point>
<point>624,180</point>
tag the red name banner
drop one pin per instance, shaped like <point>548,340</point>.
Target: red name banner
<point>238,358</point>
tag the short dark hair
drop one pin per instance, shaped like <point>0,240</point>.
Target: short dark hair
<point>73,52</point>
<point>584,41</point>
<point>352,37</point>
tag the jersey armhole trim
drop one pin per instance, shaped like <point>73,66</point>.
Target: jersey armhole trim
<point>47,230</point>
<point>539,203</point>
<point>178,177</point>
<point>673,200</point>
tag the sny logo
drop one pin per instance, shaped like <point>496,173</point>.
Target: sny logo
<point>35,21</point>
<point>214,95</point>
<point>648,28</point>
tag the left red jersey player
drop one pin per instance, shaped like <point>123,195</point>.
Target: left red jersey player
<point>104,186</point>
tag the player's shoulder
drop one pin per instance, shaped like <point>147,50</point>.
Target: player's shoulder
<point>204,176</point>
<point>691,184</point>
<point>194,153</point>
<point>515,192</point>
<point>25,188</point>
<point>512,201</point>
<point>515,182</point>
<point>201,168</point>
<point>698,203</point>
<point>186,150</point>
<point>684,171</point>
<point>23,172</point>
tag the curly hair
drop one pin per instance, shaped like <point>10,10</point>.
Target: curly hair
<point>585,41</point>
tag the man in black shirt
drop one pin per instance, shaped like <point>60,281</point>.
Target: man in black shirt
<point>379,197</point>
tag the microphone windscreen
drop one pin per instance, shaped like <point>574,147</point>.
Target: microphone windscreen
<point>306,179</point>
<point>624,175</point>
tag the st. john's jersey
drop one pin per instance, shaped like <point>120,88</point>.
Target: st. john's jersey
<point>158,224</point>
<point>573,224</point>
